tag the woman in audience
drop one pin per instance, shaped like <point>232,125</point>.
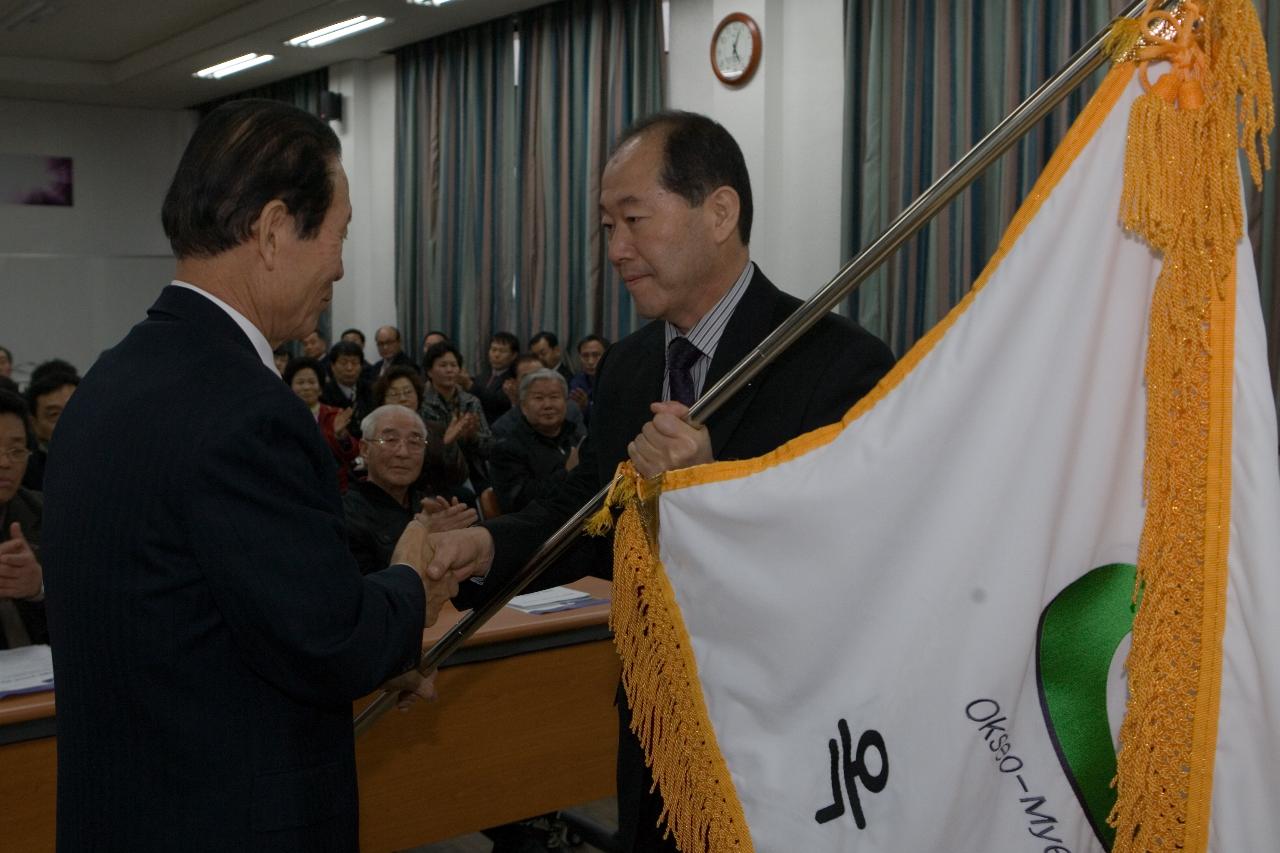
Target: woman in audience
<point>401,385</point>
<point>459,413</point>
<point>303,376</point>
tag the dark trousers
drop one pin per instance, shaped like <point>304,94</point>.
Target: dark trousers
<point>639,804</point>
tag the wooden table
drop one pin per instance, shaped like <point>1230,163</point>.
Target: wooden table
<point>525,724</point>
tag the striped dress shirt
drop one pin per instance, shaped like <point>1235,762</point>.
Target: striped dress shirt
<point>705,334</point>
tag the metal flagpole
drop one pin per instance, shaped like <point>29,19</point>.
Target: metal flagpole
<point>1014,126</point>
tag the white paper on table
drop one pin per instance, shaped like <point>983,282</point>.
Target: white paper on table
<point>26,670</point>
<point>542,600</point>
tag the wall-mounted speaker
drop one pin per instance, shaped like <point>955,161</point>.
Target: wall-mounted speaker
<point>331,106</point>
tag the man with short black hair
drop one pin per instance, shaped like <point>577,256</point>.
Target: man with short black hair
<point>546,346</point>
<point>346,388</point>
<point>47,396</point>
<point>503,349</point>
<point>676,206</point>
<point>22,614</point>
<point>315,346</point>
<point>356,336</point>
<point>433,337</point>
<point>210,628</point>
<point>590,351</point>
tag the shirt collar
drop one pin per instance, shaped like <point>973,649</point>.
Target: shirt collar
<point>705,334</point>
<point>252,332</point>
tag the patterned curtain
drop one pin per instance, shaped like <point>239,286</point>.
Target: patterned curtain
<point>924,81</point>
<point>498,170</point>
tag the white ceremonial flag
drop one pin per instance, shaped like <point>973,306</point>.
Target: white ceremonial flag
<point>908,632</point>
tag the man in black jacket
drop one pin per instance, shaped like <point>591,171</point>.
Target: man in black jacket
<point>378,509</point>
<point>676,204</point>
<point>210,628</point>
<point>543,446</point>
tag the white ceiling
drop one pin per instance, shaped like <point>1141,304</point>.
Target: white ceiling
<point>144,52</point>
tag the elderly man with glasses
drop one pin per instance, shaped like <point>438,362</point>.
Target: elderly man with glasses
<point>378,509</point>
<point>22,618</point>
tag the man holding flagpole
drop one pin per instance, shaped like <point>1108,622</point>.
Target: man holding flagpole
<point>676,206</point>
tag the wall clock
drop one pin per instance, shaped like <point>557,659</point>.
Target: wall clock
<point>736,49</point>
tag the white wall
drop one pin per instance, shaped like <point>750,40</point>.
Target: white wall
<point>788,120</point>
<point>365,298</point>
<point>73,280</point>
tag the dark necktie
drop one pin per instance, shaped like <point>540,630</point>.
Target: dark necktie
<point>681,356</point>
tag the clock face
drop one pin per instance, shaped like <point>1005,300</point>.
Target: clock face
<point>734,48</point>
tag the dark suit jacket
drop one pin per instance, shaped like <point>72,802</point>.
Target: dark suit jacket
<point>811,385</point>
<point>487,386</point>
<point>26,508</point>
<point>210,628</point>
<point>397,359</point>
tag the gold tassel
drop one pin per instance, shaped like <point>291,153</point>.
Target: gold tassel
<point>1122,39</point>
<point>621,492</point>
<point>1181,193</point>
<point>660,676</point>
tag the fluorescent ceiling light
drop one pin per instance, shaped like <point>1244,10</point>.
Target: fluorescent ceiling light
<point>233,66</point>
<point>429,2</point>
<point>333,32</point>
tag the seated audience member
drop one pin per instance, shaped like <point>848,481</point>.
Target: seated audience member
<point>281,355</point>
<point>542,449</point>
<point>357,337</point>
<point>346,388</point>
<point>402,385</point>
<point>526,363</point>
<point>432,338</point>
<point>22,617</point>
<point>378,509</point>
<point>390,350</point>
<point>503,349</point>
<point>466,431</point>
<point>47,396</point>
<point>546,346</point>
<point>316,347</point>
<point>590,351</point>
<point>303,376</point>
<point>6,363</point>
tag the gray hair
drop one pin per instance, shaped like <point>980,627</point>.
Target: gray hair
<point>370,423</point>
<point>539,375</point>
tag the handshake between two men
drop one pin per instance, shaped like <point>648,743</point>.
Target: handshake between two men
<point>414,550</point>
<point>445,549</point>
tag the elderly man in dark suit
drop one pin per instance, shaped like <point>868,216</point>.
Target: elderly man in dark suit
<point>210,628</point>
<point>676,204</point>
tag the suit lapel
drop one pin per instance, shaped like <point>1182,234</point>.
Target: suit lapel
<point>752,320</point>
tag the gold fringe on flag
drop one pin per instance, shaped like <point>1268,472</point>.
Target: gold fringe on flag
<point>1182,195</point>
<point>660,676</point>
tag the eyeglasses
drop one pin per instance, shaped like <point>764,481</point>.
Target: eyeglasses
<point>406,394</point>
<point>15,455</point>
<point>414,443</point>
